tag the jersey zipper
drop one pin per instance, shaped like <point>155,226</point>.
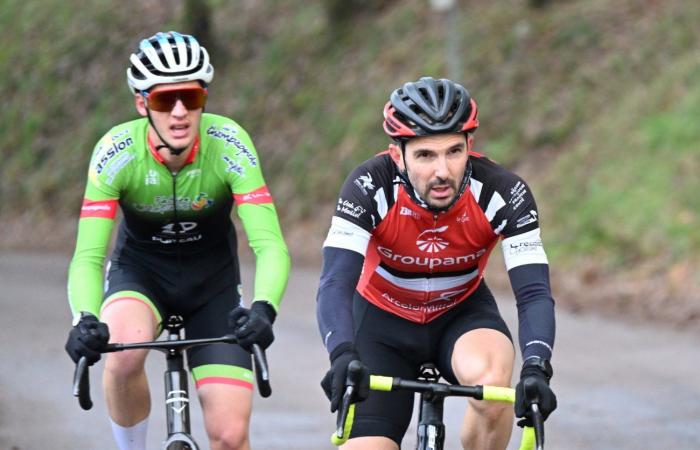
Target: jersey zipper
<point>176,226</point>
<point>429,287</point>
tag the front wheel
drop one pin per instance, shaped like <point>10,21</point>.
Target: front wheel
<point>180,441</point>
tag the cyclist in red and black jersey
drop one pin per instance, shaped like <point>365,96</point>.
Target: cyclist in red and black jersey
<point>402,281</point>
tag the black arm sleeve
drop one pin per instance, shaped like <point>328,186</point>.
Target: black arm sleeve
<point>535,304</point>
<point>339,276</point>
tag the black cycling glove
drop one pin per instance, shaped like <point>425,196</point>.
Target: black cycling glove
<point>87,338</point>
<point>533,387</point>
<point>254,325</point>
<point>335,380</point>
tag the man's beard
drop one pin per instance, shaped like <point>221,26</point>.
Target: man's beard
<point>439,183</point>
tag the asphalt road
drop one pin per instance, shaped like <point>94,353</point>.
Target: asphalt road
<point>620,386</point>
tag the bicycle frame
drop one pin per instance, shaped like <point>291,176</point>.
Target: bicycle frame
<point>177,410</point>
<point>175,380</point>
<point>431,429</point>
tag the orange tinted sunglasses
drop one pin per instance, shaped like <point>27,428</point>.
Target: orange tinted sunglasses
<point>164,100</point>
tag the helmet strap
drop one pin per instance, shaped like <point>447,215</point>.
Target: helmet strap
<point>173,150</point>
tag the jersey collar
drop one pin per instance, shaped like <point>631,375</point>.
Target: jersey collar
<point>156,155</point>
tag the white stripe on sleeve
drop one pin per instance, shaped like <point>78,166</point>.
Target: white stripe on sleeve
<point>347,235</point>
<point>524,249</point>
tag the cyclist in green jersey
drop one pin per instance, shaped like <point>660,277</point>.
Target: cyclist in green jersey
<point>175,174</point>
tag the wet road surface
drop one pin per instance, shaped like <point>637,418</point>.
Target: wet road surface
<point>620,386</point>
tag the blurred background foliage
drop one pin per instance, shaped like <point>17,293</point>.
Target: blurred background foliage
<point>595,103</point>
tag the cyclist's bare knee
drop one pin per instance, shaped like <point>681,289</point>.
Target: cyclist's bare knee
<point>232,436</point>
<point>483,356</point>
<point>125,365</point>
<point>491,412</point>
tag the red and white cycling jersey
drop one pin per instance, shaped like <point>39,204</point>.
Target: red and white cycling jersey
<point>420,264</point>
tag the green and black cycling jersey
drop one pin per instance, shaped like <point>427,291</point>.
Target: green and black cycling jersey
<point>177,216</point>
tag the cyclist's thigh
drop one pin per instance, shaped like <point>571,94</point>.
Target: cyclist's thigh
<point>370,443</point>
<point>217,363</point>
<point>130,308</point>
<point>483,356</point>
<point>226,408</point>
<point>385,343</point>
<point>479,335</point>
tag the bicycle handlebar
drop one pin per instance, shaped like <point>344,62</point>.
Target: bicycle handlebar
<point>81,384</point>
<point>346,410</point>
<point>81,377</point>
<point>532,438</point>
<point>262,373</point>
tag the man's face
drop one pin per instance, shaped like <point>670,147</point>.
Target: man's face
<point>179,125</point>
<point>435,166</point>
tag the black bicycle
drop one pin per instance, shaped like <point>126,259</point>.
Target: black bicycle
<point>176,386</point>
<point>431,429</point>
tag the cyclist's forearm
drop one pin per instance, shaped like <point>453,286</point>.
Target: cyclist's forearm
<point>341,271</point>
<point>85,275</point>
<point>272,262</point>
<point>536,319</point>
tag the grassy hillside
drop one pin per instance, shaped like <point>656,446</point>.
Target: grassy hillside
<point>594,102</point>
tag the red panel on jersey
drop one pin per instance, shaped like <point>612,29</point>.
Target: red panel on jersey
<point>256,197</point>
<point>448,250</point>
<point>105,209</point>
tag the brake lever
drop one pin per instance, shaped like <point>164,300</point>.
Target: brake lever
<point>354,372</point>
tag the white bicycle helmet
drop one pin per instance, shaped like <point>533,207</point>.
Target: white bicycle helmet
<point>168,58</point>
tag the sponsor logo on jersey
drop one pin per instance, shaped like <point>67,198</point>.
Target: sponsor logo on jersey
<point>96,208</point>
<point>201,201</point>
<point>181,232</point>
<point>164,203</point>
<point>178,228</point>
<point>517,195</point>
<point>364,182</point>
<point>408,212</point>
<point>257,197</point>
<point>227,134</point>
<point>152,177</point>
<point>439,306</point>
<point>349,208</point>
<point>518,248</point>
<point>430,262</point>
<point>464,218</point>
<point>232,166</point>
<point>446,296</point>
<point>106,209</point>
<point>430,241</point>
<point>527,219</point>
<point>254,197</point>
<point>105,154</point>
<point>116,167</point>
<point>193,173</point>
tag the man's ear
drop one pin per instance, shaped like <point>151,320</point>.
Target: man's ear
<point>140,103</point>
<point>395,153</point>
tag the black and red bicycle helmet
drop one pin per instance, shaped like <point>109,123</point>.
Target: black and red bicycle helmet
<point>429,106</point>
